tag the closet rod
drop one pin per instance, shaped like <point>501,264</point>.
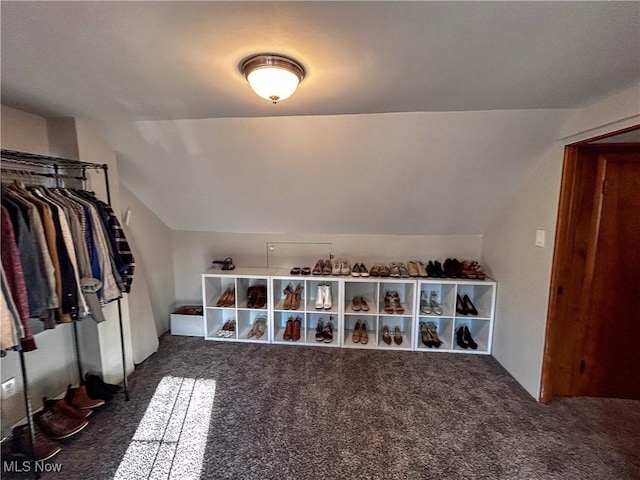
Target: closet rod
<point>47,161</point>
<point>41,174</point>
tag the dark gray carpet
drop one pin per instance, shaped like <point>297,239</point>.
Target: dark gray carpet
<point>286,412</point>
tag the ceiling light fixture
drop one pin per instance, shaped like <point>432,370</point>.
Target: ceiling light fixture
<point>273,77</point>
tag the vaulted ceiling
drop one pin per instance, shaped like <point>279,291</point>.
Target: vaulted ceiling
<point>405,122</point>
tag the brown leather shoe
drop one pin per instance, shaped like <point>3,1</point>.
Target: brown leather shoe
<point>357,333</point>
<point>288,329</point>
<point>297,326</point>
<point>356,305</point>
<point>79,398</point>
<point>397,336</point>
<point>64,408</point>
<point>56,426</point>
<point>288,299</point>
<point>386,337</point>
<point>387,303</point>
<point>364,336</point>
<point>297,297</point>
<point>45,448</point>
<point>364,306</point>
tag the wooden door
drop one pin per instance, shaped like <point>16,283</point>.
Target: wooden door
<point>593,325</point>
<point>610,304</point>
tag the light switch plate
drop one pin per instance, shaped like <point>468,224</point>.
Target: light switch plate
<point>540,234</point>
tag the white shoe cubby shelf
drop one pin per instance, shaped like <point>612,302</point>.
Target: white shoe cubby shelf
<point>444,293</point>
<point>402,303</point>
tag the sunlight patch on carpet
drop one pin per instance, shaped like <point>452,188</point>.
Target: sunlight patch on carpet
<point>171,438</point>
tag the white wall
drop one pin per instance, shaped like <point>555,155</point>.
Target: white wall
<point>523,270</point>
<point>194,251</point>
<point>151,242</point>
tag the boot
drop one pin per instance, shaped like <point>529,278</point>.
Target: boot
<point>320,297</point>
<point>79,398</point>
<point>64,408</point>
<point>45,448</point>
<point>57,426</point>
<point>328,301</point>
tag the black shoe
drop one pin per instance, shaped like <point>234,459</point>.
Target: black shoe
<point>109,387</point>
<point>460,338</point>
<point>96,391</point>
<point>320,331</point>
<point>431,269</point>
<point>449,268</point>
<point>439,271</point>
<point>461,306</point>
<point>467,338</point>
<point>468,304</point>
<point>328,332</point>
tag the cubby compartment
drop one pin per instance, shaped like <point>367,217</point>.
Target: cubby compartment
<point>390,292</point>
<point>215,287</point>
<point>245,323</point>
<point>313,319</point>
<point>480,331</point>
<point>350,322</point>
<point>444,330</point>
<point>365,289</point>
<point>327,291</point>
<point>280,324</point>
<point>445,298</point>
<point>482,296</point>
<point>242,287</point>
<point>279,295</point>
<point>215,318</point>
<point>405,324</point>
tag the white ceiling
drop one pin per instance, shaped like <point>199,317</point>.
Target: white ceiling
<point>162,80</point>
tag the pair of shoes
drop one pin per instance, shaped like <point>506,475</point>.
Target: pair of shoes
<point>292,297</point>
<point>228,329</point>
<point>429,335</point>
<point>227,263</point>
<point>431,305</point>
<point>324,331</point>
<point>464,339</point>
<point>386,336</point>
<point>359,270</point>
<point>453,268</point>
<point>472,270</point>
<point>341,267</point>
<point>322,267</point>
<point>227,299</point>
<point>292,329</point>
<point>398,270</point>
<point>435,270</point>
<point>380,270</point>
<point>464,306</point>
<point>417,269</point>
<point>256,296</point>
<point>359,304</point>
<point>258,328</point>
<point>360,334</point>
<point>392,303</point>
<point>324,298</point>
<point>44,447</point>
<point>80,399</point>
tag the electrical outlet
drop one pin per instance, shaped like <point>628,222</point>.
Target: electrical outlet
<point>9,387</point>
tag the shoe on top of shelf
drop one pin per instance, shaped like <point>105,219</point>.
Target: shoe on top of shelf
<point>363,270</point>
<point>412,268</point>
<point>337,267</point>
<point>385,271</point>
<point>295,271</point>
<point>355,271</point>
<point>395,270</point>
<point>326,267</point>
<point>375,271</point>
<point>438,270</point>
<point>422,270</point>
<point>449,268</point>
<point>317,269</point>
<point>305,271</point>
<point>404,273</point>
<point>345,269</point>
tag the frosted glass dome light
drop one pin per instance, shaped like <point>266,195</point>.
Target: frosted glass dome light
<point>272,77</point>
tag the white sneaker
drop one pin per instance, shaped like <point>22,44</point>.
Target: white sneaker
<point>320,297</point>
<point>328,301</point>
<point>337,267</point>
<point>346,268</point>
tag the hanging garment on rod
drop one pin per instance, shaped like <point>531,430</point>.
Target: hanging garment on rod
<point>12,330</point>
<point>74,248</point>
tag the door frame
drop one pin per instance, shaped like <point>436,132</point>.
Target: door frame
<point>564,253</point>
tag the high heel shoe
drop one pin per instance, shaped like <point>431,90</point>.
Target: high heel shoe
<point>288,300</point>
<point>460,338</point>
<point>397,336</point>
<point>399,309</point>
<point>425,306</point>
<point>435,307</point>
<point>466,335</point>
<point>386,336</point>
<point>297,296</point>
<point>461,308</point>
<point>433,333</point>
<point>471,308</point>
<point>387,303</point>
<point>424,335</point>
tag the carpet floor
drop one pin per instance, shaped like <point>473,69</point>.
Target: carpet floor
<point>214,410</point>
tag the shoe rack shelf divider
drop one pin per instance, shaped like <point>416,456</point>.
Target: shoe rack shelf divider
<point>308,313</point>
<point>483,295</point>
<point>481,292</point>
